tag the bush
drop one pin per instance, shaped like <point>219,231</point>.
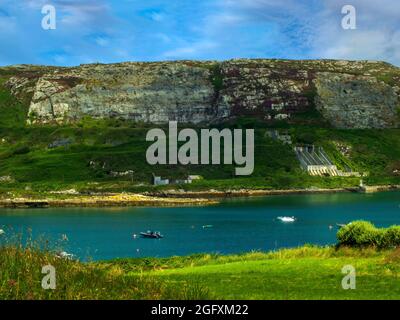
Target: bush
<point>391,237</point>
<point>365,234</point>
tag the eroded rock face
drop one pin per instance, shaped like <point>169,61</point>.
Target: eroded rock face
<point>349,101</point>
<point>265,88</point>
<point>145,92</point>
<point>348,94</point>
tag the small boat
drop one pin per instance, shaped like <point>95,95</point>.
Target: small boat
<point>207,226</point>
<point>151,234</point>
<point>340,225</point>
<point>64,255</point>
<point>287,219</point>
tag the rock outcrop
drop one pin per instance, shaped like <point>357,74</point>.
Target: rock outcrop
<point>350,101</point>
<point>349,94</point>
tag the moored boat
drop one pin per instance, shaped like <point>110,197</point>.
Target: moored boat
<point>287,219</point>
<point>151,234</point>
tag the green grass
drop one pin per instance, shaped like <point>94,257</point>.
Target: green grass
<point>13,112</point>
<point>21,278</point>
<point>303,273</point>
<point>26,157</point>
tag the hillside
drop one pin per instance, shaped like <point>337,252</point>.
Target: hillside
<point>73,128</point>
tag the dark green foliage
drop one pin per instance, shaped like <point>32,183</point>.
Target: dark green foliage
<point>365,234</point>
<point>217,78</point>
<point>13,113</point>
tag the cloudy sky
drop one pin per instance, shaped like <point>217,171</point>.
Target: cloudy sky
<point>146,30</point>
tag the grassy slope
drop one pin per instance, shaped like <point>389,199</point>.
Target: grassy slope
<point>28,160</point>
<point>303,273</point>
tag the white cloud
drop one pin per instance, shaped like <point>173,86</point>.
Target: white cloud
<point>376,37</point>
<point>315,26</point>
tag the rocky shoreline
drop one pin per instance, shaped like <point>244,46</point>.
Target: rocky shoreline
<point>112,200</point>
<point>210,194</point>
<point>170,198</point>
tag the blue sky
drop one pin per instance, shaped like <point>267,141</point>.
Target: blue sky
<point>150,30</point>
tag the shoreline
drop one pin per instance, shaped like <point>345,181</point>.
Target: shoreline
<point>170,198</point>
<point>110,200</point>
<point>218,194</point>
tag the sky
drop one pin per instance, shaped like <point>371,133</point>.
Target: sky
<point>89,31</point>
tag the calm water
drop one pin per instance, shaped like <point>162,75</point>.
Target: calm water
<point>238,224</point>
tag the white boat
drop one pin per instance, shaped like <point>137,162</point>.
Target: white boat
<point>287,219</point>
<point>65,255</point>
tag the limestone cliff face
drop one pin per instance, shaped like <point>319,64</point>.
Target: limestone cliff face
<point>349,101</point>
<point>148,92</point>
<point>348,94</point>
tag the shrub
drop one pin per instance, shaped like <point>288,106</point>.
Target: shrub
<point>365,234</point>
<point>358,233</point>
<point>391,237</point>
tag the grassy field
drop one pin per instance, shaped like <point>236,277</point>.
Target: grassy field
<point>302,273</point>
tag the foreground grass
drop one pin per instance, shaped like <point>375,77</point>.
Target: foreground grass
<point>302,273</point>
<point>21,278</point>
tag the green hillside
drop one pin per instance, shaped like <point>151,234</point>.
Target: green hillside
<point>90,150</point>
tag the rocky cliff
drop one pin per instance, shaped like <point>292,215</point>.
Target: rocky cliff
<point>348,94</point>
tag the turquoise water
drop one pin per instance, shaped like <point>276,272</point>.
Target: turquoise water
<point>238,224</point>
